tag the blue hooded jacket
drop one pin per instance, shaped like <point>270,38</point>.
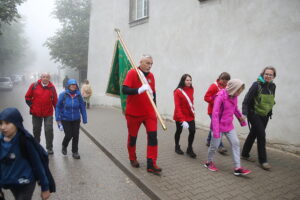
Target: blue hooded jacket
<point>22,160</point>
<point>69,108</point>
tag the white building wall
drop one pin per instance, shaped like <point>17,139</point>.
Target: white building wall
<point>205,39</point>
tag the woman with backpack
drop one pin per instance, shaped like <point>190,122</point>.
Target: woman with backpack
<point>23,161</point>
<point>69,107</point>
<point>184,113</point>
<point>257,106</point>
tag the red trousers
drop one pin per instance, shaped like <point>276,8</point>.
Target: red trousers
<point>133,125</point>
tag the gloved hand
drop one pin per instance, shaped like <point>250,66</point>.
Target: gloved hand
<point>143,88</point>
<point>185,125</point>
<point>60,126</point>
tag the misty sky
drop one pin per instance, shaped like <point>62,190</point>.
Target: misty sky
<point>39,25</point>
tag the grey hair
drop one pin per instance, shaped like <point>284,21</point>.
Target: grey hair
<point>146,56</point>
<point>45,73</point>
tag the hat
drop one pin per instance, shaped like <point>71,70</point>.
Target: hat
<point>233,86</point>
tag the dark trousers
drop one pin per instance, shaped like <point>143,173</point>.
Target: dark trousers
<point>71,129</point>
<point>192,130</point>
<point>25,192</point>
<point>257,131</point>
<point>48,127</point>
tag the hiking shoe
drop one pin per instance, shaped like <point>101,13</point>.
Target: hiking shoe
<point>250,159</point>
<point>157,168</point>
<point>76,156</point>
<point>178,150</point>
<point>241,171</point>
<point>64,150</point>
<point>191,153</point>
<point>222,150</point>
<point>50,152</point>
<point>210,166</point>
<point>266,166</point>
<point>135,163</point>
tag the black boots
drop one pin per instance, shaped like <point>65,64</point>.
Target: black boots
<point>153,168</point>
<point>178,150</point>
<point>190,152</point>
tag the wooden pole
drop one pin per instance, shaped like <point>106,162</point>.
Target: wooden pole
<point>141,79</point>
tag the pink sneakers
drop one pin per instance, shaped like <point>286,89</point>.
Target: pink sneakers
<point>210,166</point>
<point>241,171</point>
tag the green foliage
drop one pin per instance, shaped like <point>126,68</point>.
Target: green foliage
<point>12,46</point>
<point>69,46</point>
<point>8,11</point>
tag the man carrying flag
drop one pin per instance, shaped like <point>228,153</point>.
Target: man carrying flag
<point>140,110</point>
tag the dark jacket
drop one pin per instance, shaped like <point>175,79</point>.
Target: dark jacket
<point>40,99</point>
<point>23,160</point>
<point>248,103</point>
<point>69,108</point>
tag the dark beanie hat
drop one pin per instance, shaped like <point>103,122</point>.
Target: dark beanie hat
<point>12,115</point>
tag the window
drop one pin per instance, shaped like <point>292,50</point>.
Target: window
<point>139,12</point>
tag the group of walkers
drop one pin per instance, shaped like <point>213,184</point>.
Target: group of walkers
<point>222,99</point>
<point>23,161</point>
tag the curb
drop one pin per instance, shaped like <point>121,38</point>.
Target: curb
<point>137,177</point>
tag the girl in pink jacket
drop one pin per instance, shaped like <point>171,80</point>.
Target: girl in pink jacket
<point>225,106</point>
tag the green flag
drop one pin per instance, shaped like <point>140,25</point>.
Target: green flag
<point>120,66</point>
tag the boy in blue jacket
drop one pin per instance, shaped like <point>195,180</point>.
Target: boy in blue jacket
<point>23,161</point>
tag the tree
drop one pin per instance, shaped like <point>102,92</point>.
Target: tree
<point>12,47</point>
<point>8,11</point>
<point>69,46</point>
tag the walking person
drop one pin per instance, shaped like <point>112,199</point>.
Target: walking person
<point>225,106</point>
<point>69,107</point>
<point>257,106</point>
<point>209,97</point>
<point>65,81</point>
<point>23,161</point>
<point>184,113</point>
<point>139,110</point>
<point>86,92</point>
<point>41,97</point>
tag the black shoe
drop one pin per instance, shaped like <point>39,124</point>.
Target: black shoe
<point>190,152</point>
<point>151,168</point>
<point>178,150</point>
<point>50,152</point>
<point>64,150</point>
<point>76,156</point>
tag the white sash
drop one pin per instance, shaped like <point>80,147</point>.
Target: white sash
<point>189,100</point>
<point>217,86</point>
<point>145,80</point>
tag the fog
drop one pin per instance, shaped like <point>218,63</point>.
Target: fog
<point>40,24</point>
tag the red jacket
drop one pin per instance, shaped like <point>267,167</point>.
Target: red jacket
<point>183,110</point>
<point>211,94</point>
<point>41,99</point>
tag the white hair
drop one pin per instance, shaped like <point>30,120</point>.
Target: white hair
<point>146,56</point>
<point>45,73</point>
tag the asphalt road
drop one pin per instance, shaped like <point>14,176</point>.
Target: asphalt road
<point>93,177</point>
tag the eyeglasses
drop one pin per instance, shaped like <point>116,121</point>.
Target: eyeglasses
<point>269,75</point>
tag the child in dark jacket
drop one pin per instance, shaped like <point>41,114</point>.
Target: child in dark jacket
<point>23,161</point>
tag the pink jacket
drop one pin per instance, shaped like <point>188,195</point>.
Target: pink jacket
<point>222,115</point>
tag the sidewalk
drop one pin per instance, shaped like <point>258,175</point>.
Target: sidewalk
<point>185,178</point>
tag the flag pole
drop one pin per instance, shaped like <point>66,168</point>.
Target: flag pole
<point>141,79</point>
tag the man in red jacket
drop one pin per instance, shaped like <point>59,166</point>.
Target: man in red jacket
<point>41,97</point>
<point>139,111</point>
